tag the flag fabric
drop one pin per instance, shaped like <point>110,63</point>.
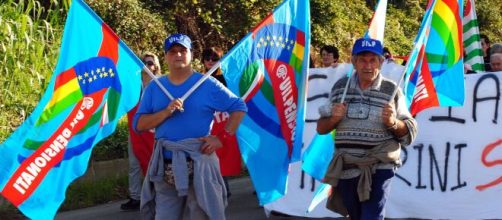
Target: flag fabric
<point>229,154</point>
<point>435,71</point>
<point>141,142</point>
<point>96,81</point>
<point>268,68</point>
<point>321,193</point>
<point>318,155</point>
<point>472,40</point>
<point>376,28</point>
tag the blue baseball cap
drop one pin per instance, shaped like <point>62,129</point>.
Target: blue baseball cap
<point>367,45</point>
<point>180,39</point>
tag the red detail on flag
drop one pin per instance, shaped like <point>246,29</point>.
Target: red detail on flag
<point>110,44</point>
<point>33,170</point>
<point>65,77</point>
<point>488,149</point>
<point>467,8</point>
<point>300,37</point>
<point>268,20</point>
<point>282,76</point>
<point>229,155</point>
<point>256,88</point>
<point>425,95</point>
<point>429,4</point>
<point>455,8</point>
<point>141,143</point>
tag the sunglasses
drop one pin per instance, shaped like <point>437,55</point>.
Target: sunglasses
<point>150,63</point>
<point>214,59</point>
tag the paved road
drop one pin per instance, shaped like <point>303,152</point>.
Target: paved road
<point>243,205</point>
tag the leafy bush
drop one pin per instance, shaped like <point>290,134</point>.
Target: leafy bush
<point>30,38</point>
<point>29,46</point>
<point>141,29</point>
<point>115,145</point>
<point>31,30</point>
<point>85,194</point>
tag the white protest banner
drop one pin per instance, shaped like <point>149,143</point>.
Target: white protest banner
<point>453,170</point>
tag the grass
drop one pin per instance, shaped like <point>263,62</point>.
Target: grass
<point>29,39</point>
<point>82,195</point>
<point>89,193</point>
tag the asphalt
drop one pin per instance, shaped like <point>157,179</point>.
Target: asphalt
<point>243,205</point>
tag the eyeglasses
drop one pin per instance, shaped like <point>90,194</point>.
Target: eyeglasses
<point>214,59</point>
<point>150,63</point>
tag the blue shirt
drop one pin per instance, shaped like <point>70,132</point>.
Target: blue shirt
<point>199,107</point>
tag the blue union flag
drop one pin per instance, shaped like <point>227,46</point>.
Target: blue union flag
<point>268,68</point>
<point>96,81</point>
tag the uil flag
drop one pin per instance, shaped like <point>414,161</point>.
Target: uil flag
<point>95,82</point>
<point>472,41</point>
<point>268,68</point>
<point>435,70</point>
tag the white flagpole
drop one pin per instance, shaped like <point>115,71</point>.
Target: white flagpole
<point>191,90</point>
<point>201,80</point>
<point>158,82</point>
<point>347,84</point>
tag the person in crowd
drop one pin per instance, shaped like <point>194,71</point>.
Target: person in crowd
<point>183,179</point>
<point>330,56</point>
<point>210,56</point>
<point>372,125</point>
<point>496,62</point>
<point>485,46</point>
<point>229,155</point>
<point>143,142</point>
<point>388,58</point>
<point>495,48</point>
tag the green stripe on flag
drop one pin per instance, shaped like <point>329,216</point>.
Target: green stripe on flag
<point>95,118</point>
<point>296,63</point>
<point>441,28</point>
<point>113,103</point>
<point>66,102</point>
<point>470,40</point>
<point>268,92</point>
<point>435,58</point>
<point>474,53</point>
<point>470,24</point>
<point>247,78</point>
<point>32,145</point>
<point>478,67</point>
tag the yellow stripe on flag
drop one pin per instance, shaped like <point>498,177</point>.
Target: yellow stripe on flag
<point>298,51</point>
<point>448,17</point>
<point>63,91</point>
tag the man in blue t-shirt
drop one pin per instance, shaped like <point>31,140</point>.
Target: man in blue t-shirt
<point>178,124</point>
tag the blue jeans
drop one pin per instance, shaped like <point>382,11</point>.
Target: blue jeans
<point>374,208</point>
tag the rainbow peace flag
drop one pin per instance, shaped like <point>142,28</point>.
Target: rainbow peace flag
<point>376,27</point>
<point>435,70</point>
<point>268,68</point>
<point>96,81</point>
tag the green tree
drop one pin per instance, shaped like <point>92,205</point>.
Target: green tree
<point>489,14</point>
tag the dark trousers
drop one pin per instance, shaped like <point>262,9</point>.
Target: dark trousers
<point>374,208</point>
